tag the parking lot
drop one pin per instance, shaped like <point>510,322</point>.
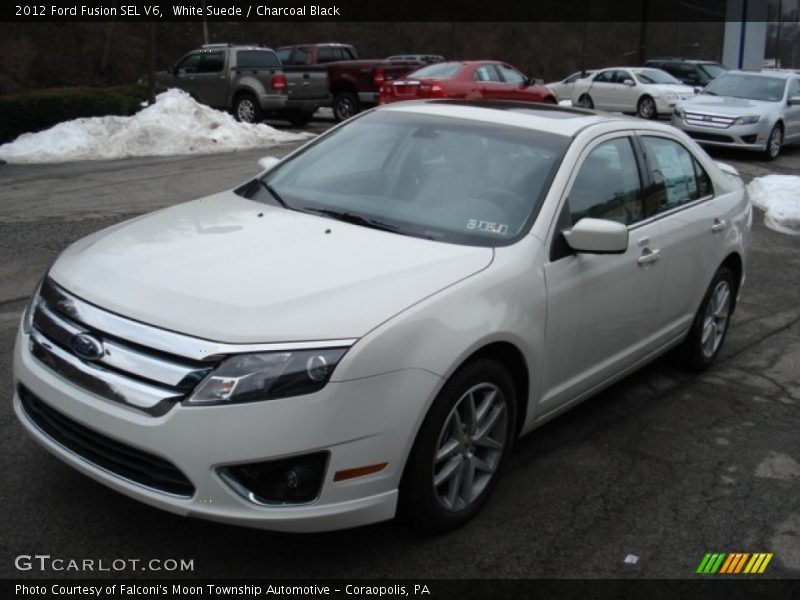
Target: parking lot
<point>665,466</point>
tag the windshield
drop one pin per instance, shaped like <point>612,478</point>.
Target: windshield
<point>713,70</point>
<point>437,71</point>
<point>748,87</point>
<point>439,178</point>
<point>654,76</point>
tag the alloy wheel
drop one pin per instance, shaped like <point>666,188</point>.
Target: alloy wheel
<point>246,111</point>
<point>715,319</point>
<point>775,142</point>
<point>647,108</point>
<point>470,446</point>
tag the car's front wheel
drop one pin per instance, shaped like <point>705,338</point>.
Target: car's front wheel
<point>460,448</point>
<point>704,342</point>
<point>774,143</point>
<point>646,108</point>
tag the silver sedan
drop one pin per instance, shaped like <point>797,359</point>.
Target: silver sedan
<point>753,111</point>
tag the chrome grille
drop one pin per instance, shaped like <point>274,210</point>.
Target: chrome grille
<point>709,120</point>
<point>144,377</point>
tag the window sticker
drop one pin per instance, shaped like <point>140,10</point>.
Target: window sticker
<point>488,226</point>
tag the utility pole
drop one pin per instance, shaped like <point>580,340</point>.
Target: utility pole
<point>151,62</point>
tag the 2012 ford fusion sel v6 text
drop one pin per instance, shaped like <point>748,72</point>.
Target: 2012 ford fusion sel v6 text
<point>368,326</point>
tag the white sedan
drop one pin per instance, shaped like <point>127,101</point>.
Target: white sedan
<point>370,324</point>
<point>645,92</point>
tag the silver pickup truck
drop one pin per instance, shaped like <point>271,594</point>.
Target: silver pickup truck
<point>250,81</point>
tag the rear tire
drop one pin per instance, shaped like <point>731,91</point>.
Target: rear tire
<point>710,326</point>
<point>345,105</point>
<point>585,101</point>
<point>246,109</point>
<point>460,449</point>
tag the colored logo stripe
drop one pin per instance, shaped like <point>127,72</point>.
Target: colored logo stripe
<point>733,563</point>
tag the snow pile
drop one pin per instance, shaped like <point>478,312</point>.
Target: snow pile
<point>175,124</point>
<point>779,197</point>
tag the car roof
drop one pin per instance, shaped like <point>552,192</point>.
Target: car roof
<point>560,120</point>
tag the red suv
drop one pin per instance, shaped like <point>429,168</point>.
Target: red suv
<point>486,79</point>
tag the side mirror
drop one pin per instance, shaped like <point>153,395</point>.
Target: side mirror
<point>597,236</point>
<point>629,82</point>
<point>794,101</point>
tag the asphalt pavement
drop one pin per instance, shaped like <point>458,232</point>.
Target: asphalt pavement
<point>664,466</point>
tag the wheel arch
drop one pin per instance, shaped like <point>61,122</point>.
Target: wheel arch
<point>513,359</point>
<point>735,263</point>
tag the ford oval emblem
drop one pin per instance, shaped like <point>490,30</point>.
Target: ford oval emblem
<point>86,346</point>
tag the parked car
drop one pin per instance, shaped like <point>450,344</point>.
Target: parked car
<point>486,79</point>
<point>689,71</point>
<point>563,89</point>
<point>645,92</point>
<point>371,323</point>
<point>250,81</point>
<point>423,58</point>
<point>743,109</point>
<point>354,83</point>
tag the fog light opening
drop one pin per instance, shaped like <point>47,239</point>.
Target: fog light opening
<point>294,480</point>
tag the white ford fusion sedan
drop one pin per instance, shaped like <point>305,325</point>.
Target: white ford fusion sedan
<point>368,326</point>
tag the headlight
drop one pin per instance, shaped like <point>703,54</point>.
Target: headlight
<point>747,120</point>
<point>671,97</point>
<point>253,377</point>
<point>30,309</point>
<point>679,112</point>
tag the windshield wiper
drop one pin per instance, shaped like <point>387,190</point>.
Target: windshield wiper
<point>272,192</point>
<point>353,218</point>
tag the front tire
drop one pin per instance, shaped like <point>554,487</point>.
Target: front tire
<point>774,143</point>
<point>345,105</point>
<point>710,326</point>
<point>461,448</point>
<point>585,101</point>
<point>646,108</point>
<point>246,109</point>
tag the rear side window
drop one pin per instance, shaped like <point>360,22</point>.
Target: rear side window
<point>608,185</point>
<point>677,178</point>
<point>605,77</point>
<point>211,62</point>
<point>327,54</point>
<point>256,59</point>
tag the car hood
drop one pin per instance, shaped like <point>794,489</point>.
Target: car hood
<point>229,269</point>
<point>684,91</point>
<point>726,105</point>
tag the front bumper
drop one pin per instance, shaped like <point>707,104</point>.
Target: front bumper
<point>747,137</point>
<point>360,422</point>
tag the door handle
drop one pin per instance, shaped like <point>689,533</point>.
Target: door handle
<point>719,225</point>
<point>648,256</point>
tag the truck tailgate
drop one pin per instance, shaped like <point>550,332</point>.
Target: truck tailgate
<point>306,83</point>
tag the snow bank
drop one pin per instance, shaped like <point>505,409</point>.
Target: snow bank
<point>565,102</point>
<point>175,124</point>
<point>779,197</point>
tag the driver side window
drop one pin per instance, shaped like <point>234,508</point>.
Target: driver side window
<point>189,64</point>
<point>608,185</point>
